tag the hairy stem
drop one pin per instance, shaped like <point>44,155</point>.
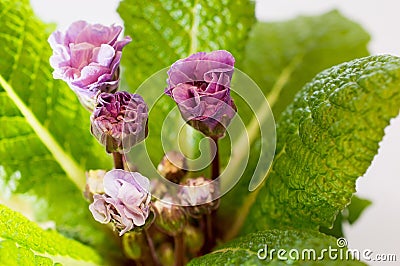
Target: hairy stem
<point>118,160</point>
<point>209,240</point>
<point>153,253</point>
<point>179,246</point>
<point>215,162</point>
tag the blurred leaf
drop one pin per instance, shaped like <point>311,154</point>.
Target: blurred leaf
<point>245,250</point>
<point>282,56</point>
<point>327,138</point>
<point>22,242</point>
<point>45,142</point>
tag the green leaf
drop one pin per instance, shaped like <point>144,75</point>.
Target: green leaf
<point>165,31</point>
<point>22,242</point>
<point>349,215</point>
<point>245,250</point>
<point>356,208</point>
<point>45,143</point>
<point>327,139</point>
<point>281,57</point>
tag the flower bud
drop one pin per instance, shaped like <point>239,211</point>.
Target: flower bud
<point>199,196</point>
<point>87,57</point>
<point>200,85</point>
<point>194,238</point>
<point>94,183</point>
<point>126,202</point>
<point>170,219</point>
<point>132,243</point>
<point>173,166</point>
<point>166,254</point>
<point>119,121</point>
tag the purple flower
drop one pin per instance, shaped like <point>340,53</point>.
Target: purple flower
<point>126,201</point>
<point>119,120</point>
<point>200,85</point>
<point>87,57</point>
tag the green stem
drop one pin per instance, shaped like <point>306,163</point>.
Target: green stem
<point>118,160</point>
<point>179,249</point>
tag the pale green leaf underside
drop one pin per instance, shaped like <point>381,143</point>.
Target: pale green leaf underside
<point>327,139</point>
<point>243,250</point>
<point>45,143</point>
<point>281,57</point>
<point>22,242</point>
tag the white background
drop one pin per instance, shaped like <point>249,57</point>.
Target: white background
<point>378,229</point>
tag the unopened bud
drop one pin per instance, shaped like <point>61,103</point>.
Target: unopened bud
<point>171,219</point>
<point>119,121</point>
<point>173,166</point>
<point>132,243</point>
<point>166,254</point>
<point>194,238</point>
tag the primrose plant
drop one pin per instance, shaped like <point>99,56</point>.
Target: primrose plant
<point>162,149</point>
<point>87,58</point>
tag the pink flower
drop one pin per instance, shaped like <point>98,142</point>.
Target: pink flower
<point>87,57</point>
<point>200,85</point>
<point>126,201</point>
<point>199,195</point>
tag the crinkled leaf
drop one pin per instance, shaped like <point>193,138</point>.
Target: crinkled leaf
<point>45,143</point>
<point>349,215</point>
<point>327,138</point>
<point>281,57</point>
<point>244,250</point>
<point>23,242</point>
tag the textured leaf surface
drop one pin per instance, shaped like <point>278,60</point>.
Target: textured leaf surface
<point>327,139</point>
<point>25,243</point>
<point>243,251</point>
<point>281,57</point>
<point>45,143</point>
<point>349,215</point>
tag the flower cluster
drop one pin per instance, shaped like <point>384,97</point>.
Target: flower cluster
<point>125,202</point>
<point>87,58</point>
